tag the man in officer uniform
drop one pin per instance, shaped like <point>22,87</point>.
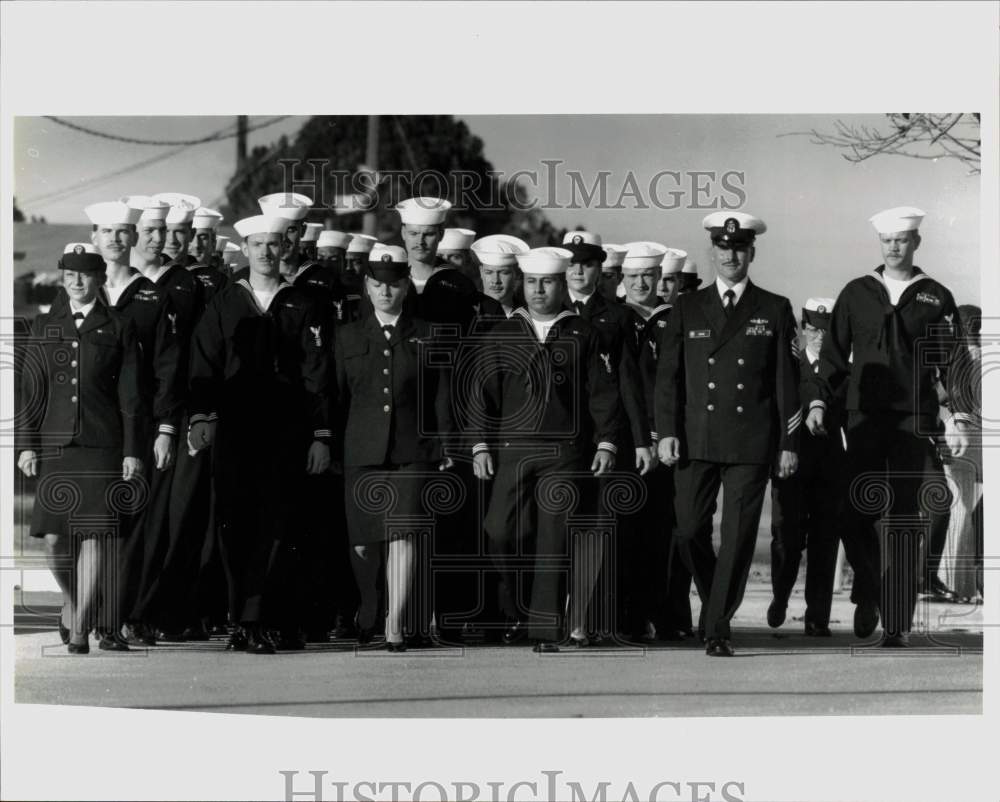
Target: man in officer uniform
<point>544,359</point>
<point>727,412</point>
<point>879,324</point>
<point>260,383</point>
<point>807,507</point>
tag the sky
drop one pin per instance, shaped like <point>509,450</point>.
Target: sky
<point>815,203</point>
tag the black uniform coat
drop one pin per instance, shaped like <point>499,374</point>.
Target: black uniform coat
<point>448,297</point>
<point>212,278</point>
<point>392,408</point>
<point>610,321</point>
<point>729,388</point>
<point>644,339</point>
<point>888,371</point>
<point>81,387</point>
<point>563,389</point>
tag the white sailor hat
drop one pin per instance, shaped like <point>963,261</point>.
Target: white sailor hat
<point>900,218</point>
<point>423,211</point>
<point>333,239</point>
<point>689,275</point>
<point>261,224</point>
<point>733,228</point>
<point>231,253</point>
<point>112,213</point>
<point>499,250</point>
<point>362,243</point>
<point>456,239</point>
<point>182,207</point>
<point>206,218</point>
<point>545,261</point>
<point>150,208</point>
<point>690,267</point>
<point>290,205</point>
<point>817,312</point>
<point>643,255</point>
<point>673,261</point>
<point>220,242</point>
<point>614,255</point>
<point>312,232</point>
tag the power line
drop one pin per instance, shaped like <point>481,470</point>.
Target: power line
<point>223,133</point>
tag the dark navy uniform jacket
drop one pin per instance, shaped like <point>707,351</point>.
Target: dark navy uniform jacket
<point>609,320</point>
<point>729,388</point>
<point>393,402</point>
<point>212,278</point>
<point>899,351</point>
<point>160,374</point>
<point>644,339</point>
<point>449,297</point>
<point>814,448</point>
<point>264,369</point>
<point>565,389</point>
<point>81,387</point>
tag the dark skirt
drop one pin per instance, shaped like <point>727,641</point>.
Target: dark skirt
<point>389,502</point>
<point>81,491</point>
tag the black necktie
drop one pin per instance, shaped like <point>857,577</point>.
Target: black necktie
<point>727,307</point>
<point>388,329</point>
<point>78,316</point>
<point>578,306</point>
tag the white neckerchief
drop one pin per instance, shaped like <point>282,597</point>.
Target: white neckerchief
<point>541,327</point>
<point>896,287</point>
<point>264,297</point>
<point>737,289</point>
<point>85,310</point>
<point>386,320</point>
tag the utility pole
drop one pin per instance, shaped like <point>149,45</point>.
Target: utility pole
<point>241,141</point>
<point>370,221</point>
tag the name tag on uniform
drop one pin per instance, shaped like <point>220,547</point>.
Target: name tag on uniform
<point>927,298</point>
<point>699,334</point>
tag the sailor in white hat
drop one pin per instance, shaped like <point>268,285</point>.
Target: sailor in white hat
<point>331,247</point>
<point>350,273</point>
<point>688,278</point>
<point>645,540</point>
<point>883,328</point>
<point>179,231</point>
<point>671,274</point>
<point>269,398</point>
<point>727,397</point>
<point>454,249</point>
<point>113,233</point>
<point>501,277</point>
<point>610,282</point>
<point>310,239</point>
<point>293,207</point>
<point>204,224</point>
<point>439,293</point>
<point>563,432</point>
<point>151,231</point>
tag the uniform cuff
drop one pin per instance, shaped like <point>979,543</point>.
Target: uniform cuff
<point>199,417</point>
<point>817,403</point>
<point>322,434</point>
<point>604,445</point>
<point>480,448</point>
<point>167,428</point>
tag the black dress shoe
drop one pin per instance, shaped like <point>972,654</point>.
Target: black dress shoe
<point>392,646</point>
<point>865,619</point>
<point>237,641</point>
<point>579,640</point>
<point>170,635</point>
<point>898,641</point>
<point>719,647</point>
<point>939,591</point>
<point>197,633</point>
<point>776,614</point>
<point>259,643</point>
<point>63,632</point>
<point>113,643</point>
<point>544,647</point>
<point>515,633</point>
<point>78,648</point>
<point>138,635</point>
<point>814,630</point>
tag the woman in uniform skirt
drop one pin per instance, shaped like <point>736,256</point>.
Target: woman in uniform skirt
<point>82,417</point>
<point>395,414</point>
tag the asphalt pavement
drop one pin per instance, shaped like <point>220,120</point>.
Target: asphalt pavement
<point>774,672</point>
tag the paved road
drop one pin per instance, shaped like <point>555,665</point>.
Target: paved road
<point>787,674</point>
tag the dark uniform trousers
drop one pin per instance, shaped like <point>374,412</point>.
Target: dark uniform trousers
<point>728,388</point>
<point>534,395</point>
<point>807,514</point>
<point>264,376</point>
<point>890,357</point>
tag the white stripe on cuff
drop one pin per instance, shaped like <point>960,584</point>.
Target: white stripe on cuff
<point>605,446</point>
